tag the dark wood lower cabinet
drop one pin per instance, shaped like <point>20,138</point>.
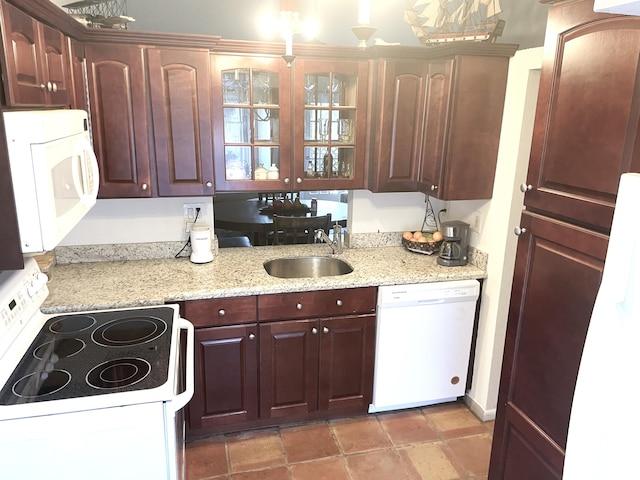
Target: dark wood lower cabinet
<point>226,376</point>
<point>254,368</point>
<point>557,275</point>
<point>316,365</point>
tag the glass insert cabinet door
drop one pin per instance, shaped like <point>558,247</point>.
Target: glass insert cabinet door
<point>252,123</point>
<point>330,112</point>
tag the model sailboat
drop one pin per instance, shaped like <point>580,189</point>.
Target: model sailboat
<point>435,21</point>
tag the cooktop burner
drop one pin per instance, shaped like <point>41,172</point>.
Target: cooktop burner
<point>92,354</point>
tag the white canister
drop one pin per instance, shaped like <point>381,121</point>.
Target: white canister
<point>201,243</point>
<point>273,173</point>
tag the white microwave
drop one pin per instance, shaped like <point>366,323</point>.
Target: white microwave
<point>54,173</point>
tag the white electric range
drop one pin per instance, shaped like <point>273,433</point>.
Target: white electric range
<point>94,394</point>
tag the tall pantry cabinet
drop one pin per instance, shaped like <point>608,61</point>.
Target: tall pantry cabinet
<point>586,135</point>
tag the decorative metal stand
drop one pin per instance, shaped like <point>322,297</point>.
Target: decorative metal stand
<point>100,13</point>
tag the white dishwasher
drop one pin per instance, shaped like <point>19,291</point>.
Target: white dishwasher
<point>423,342</point>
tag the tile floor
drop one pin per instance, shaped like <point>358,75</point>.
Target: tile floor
<point>440,442</point>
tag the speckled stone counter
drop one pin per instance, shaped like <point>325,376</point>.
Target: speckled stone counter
<point>233,272</point>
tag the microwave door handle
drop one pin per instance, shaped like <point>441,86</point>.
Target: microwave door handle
<point>89,170</point>
<point>183,398</point>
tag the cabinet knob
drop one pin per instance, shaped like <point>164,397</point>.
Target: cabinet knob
<point>298,180</point>
<point>221,312</point>
<point>286,181</point>
<point>54,87</point>
<point>49,87</point>
<point>325,330</point>
<point>251,336</point>
<point>144,186</point>
<point>339,302</point>
<point>314,330</point>
<point>298,306</point>
<point>434,187</point>
<point>43,86</point>
<point>519,231</point>
<point>524,188</point>
<point>209,184</point>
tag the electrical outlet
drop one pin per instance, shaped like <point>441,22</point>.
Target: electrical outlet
<point>475,221</point>
<point>189,212</point>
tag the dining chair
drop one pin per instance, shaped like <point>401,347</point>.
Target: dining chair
<point>292,230</point>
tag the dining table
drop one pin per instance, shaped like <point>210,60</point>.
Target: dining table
<point>253,217</point>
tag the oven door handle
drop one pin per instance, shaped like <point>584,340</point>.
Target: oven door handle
<point>183,398</point>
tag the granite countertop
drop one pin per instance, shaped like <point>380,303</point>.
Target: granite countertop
<point>233,272</point>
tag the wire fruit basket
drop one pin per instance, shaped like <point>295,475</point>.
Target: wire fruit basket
<point>426,248</point>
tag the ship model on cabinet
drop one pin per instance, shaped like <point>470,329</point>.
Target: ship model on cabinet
<point>438,21</point>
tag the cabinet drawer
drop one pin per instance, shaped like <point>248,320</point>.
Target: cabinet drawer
<point>322,303</point>
<point>221,311</point>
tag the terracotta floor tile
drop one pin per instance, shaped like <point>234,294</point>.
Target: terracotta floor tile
<point>359,434</point>
<point>407,427</point>
<point>430,461</point>
<point>440,442</point>
<point>380,465</point>
<point>206,459</point>
<point>327,469</point>
<point>309,442</point>
<point>255,451</point>
<point>278,473</point>
<point>454,420</point>
<point>471,453</point>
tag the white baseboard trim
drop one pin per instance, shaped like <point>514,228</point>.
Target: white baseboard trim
<point>478,411</point>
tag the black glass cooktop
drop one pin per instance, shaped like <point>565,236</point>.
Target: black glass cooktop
<point>86,354</point>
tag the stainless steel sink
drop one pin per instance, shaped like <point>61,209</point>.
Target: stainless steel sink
<point>307,267</point>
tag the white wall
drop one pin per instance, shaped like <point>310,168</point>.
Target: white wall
<point>500,216</point>
<point>136,220</point>
<point>387,212</point>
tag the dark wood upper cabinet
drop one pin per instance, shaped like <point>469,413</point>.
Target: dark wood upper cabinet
<point>78,75</point>
<point>118,98</point>
<point>330,109</point>
<point>398,139</point>
<point>37,61</point>
<point>586,133</point>
<point>438,119</point>
<point>465,102</point>
<point>181,111</point>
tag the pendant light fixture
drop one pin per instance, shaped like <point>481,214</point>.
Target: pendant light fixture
<point>364,30</point>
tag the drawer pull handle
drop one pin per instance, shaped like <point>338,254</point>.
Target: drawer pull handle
<point>221,312</point>
<point>339,302</point>
<point>314,330</point>
<point>251,336</point>
<point>325,330</point>
<point>299,306</point>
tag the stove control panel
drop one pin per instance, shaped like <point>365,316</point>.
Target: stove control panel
<point>22,292</point>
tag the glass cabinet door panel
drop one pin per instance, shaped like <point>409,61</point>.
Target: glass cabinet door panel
<point>265,88</point>
<point>267,162</point>
<point>235,86</point>
<point>237,125</point>
<point>323,162</point>
<point>266,125</point>
<point>344,90</point>
<point>330,122</point>
<point>252,122</point>
<point>237,162</point>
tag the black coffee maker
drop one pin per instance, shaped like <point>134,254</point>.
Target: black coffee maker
<point>455,245</point>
